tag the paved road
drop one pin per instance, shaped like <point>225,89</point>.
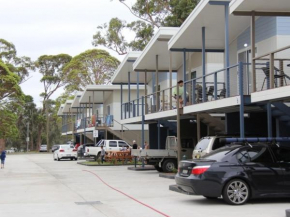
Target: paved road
<point>35,185</point>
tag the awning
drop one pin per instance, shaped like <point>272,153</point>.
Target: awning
<point>158,45</point>
<point>212,17</point>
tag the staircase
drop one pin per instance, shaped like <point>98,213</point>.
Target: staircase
<point>172,126</point>
<point>280,111</point>
<point>214,123</point>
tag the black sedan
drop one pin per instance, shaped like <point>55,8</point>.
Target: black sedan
<point>238,173</point>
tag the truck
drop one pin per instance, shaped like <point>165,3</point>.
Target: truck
<point>164,160</point>
<point>108,145</point>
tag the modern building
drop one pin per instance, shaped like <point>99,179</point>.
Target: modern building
<point>234,59</point>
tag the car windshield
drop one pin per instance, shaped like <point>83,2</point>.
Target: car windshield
<point>202,144</point>
<point>219,154</point>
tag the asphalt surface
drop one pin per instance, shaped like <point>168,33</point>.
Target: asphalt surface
<point>35,185</point>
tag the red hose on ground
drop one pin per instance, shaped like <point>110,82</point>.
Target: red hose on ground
<point>161,213</point>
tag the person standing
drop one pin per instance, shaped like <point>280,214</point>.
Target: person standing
<point>3,157</point>
<point>146,145</point>
<point>103,153</point>
<point>135,146</point>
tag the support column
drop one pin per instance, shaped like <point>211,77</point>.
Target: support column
<point>170,80</point>
<point>227,50</point>
<point>129,94</point>
<point>203,66</point>
<point>198,127</point>
<point>86,112</point>
<point>277,128</point>
<point>241,91</point>
<point>271,75</point>
<point>138,94</point>
<point>184,80</point>
<point>178,128</point>
<point>145,99</point>
<point>158,127</point>
<point>157,82</point>
<point>253,50</point>
<point>143,122</point>
<point>121,101</point>
<point>153,91</point>
<point>269,118</point>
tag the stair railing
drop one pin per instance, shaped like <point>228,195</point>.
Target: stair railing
<point>126,128</point>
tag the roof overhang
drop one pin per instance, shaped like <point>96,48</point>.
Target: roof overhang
<point>98,94</point>
<point>121,74</point>
<point>59,113</point>
<point>158,46</point>
<point>68,107</point>
<point>76,103</point>
<point>212,17</point>
<point>260,7</point>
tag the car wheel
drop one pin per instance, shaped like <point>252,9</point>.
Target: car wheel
<point>159,169</point>
<point>236,192</point>
<point>76,158</point>
<point>58,159</point>
<point>169,165</point>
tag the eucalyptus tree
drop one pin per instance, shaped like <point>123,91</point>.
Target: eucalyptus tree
<point>51,67</point>
<point>90,67</point>
<point>151,15</point>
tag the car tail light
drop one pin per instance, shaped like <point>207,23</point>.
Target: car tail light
<point>74,150</point>
<point>61,150</point>
<point>199,170</point>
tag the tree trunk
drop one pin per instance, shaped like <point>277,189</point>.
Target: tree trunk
<point>39,140</point>
<point>2,144</point>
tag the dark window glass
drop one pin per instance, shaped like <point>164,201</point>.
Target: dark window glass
<point>202,144</point>
<point>220,154</point>
<point>187,143</point>
<point>123,144</point>
<point>282,154</point>
<point>113,144</point>
<point>255,154</point>
<point>217,144</point>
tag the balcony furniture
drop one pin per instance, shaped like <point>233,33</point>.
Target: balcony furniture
<point>210,92</point>
<point>222,93</point>
<point>282,76</point>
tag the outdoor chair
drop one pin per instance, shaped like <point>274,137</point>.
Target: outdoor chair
<point>210,92</point>
<point>198,94</point>
<point>222,93</point>
<point>282,75</point>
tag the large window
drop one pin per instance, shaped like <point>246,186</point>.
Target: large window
<point>123,144</point>
<point>113,144</point>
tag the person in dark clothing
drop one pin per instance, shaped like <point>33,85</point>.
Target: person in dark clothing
<point>3,156</point>
<point>135,146</point>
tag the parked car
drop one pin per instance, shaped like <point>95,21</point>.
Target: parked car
<point>65,151</point>
<point>54,147</point>
<point>109,145</point>
<point>9,151</point>
<point>238,173</point>
<point>43,148</point>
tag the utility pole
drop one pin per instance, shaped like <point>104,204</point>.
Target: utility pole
<point>47,126</point>
<point>27,137</point>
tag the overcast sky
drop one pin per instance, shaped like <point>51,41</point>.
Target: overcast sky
<point>38,27</point>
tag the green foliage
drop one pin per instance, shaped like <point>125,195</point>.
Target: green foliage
<point>9,87</point>
<point>90,67</point>
<point>17,65</point>
<point>151,14</point>
<point>8,120</point>
<point>51,68</point>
